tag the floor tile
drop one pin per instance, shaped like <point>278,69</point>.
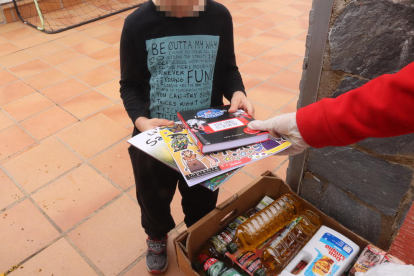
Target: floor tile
<point>5,121</point>
<point>117,113</point>
<point>58,258</point>
<point>46,78</point>
<point>133,193</point>
<point>11,26</point>
<point>242,58</point>
<point>246,32</point>
<point>18,34</point>
<point>141,270</point>
<point>6,77</point>
<point>61,56</point>
<point>41,164</point>
<point>78,65</point>
<point>98,76</point>
<point>238,40</point>
<point>28,106</point>
<point>234,7</point>
<point>249,81</point>
<point>9,192</point>
<point>276,17</point>
<point>291,107</point>
<point>269,39</point>
<point>176,208</point>
<point>287,79</point>
<point>110,89</point>
<point>261,24</point>
<point>8,48</point>
<point>261,112</point>
<point>115,164</point>
<point>89,46</point>
<point>65,90</point>
<point>48,122</point>
<point>31,41</point>
<point>117,24</point>
<point>14,91</point>
<point>302,36</point>
<point>75,196</point>
<point>72,39</point>
<point>93,135</point>
<point>270,163</point>
<point>16,58</point>
<point>293,46</point>
<point>251,48</point>
<point>260,69</point>
<point>115,64</point>
<point>252,11</point>
<point>105,55</point>
<point>98,30</point>
<point>298,23</point>
<point>280,57</point>
<point>237,182</point>
<point>240,18</point>
<point>286,30</point>
<point>271,96</point>
<point>27,231</point>
<point>111,38</point>
<point>290,11</point>
<point>29,68</point>
<point>113,247</point>
<point>297,66</point>
<point>281,172</point>
<point>13,139</point>
<point>45,49</point>
<point>86,104</point>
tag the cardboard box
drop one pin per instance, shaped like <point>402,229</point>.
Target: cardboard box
<point>188,243</point>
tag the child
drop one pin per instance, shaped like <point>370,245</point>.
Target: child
<point>175,55</point>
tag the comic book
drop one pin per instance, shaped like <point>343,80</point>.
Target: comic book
<point>216,129</point>
<point>151,143</point>
<point>197,167</point>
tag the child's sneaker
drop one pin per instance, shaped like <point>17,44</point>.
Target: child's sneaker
<point>157,260</point>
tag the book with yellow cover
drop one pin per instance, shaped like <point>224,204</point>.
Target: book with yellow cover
<point>197,167</point>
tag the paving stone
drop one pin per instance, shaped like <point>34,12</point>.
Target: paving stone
<point>352,214</point>
<point>362,44</point>
<point>311,188</point>
<point>399,145</point>
<point>373,180</point>
<point>347,84</point>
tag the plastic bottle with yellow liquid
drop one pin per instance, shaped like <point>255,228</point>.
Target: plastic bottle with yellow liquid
<point>296,234</point>
<point>265,223</point>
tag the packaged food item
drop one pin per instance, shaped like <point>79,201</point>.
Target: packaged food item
<point>328,253</point>
<point>265,223</point>
<point>370,257</point>
<point>227,235</point>
<point>388,258</point>
<point>214,267</point>
<point>249,261</point>
<point>297,233</point>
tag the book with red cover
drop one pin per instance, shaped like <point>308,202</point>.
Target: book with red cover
<point>216,129</point>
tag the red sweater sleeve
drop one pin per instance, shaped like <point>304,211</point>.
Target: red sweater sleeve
<point>383,107</point>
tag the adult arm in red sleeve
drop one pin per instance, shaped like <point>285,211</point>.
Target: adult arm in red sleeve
<point>383,107</point>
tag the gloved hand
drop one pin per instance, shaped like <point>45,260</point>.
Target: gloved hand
<point>286,126</point>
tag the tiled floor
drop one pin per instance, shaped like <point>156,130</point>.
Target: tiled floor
<point>67,202</point>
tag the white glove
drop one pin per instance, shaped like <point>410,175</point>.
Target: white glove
<point>286,126</point>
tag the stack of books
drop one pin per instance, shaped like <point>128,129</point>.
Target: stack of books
<point>208,146</point>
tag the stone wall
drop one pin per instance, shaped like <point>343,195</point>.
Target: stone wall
<point>368,186</point>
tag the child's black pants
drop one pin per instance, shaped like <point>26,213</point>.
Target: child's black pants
<point>156,184</point>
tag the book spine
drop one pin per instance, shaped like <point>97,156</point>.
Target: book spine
<point>195,139</point>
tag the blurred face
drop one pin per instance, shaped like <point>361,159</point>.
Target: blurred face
<point>322,267</point>
<point>180,8</point>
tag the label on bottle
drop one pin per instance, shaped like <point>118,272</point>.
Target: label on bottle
<point>221,240</point>
<point>230,272</point>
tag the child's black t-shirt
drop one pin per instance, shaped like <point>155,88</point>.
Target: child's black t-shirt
<point>173,64</point>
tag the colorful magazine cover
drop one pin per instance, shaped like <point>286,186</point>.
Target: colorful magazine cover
<point>197,167</point>
<point>151,143</point>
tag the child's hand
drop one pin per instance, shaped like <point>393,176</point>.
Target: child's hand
<point>144,124</point>
<point>239,100</point>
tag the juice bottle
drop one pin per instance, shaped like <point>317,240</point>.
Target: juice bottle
<point>297,233</point>
<point>265,223</point>
<point>214,267</point>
